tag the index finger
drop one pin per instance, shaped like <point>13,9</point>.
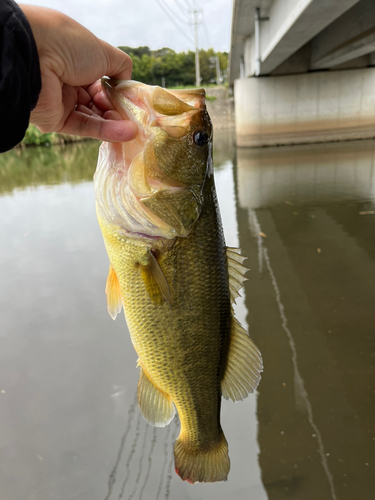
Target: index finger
<point>98,96</point>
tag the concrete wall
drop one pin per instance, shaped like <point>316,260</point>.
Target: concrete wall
<point>307,108</point>
<point>352,35</point>
<point>249,57</point>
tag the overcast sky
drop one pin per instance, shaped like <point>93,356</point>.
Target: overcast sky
<point>143,22</point>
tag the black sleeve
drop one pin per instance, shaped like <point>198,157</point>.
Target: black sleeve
<point>20,80</point>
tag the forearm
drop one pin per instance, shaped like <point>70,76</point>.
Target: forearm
<point>20,81</point>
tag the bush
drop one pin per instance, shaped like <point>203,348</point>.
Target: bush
<point>34,137</point>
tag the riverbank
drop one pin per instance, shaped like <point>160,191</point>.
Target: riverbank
<point>34,137</point>
<point>220,107</point>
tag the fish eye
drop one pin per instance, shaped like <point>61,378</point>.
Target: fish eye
<point>200,138</point>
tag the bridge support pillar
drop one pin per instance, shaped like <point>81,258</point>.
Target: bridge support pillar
<point>307,108</point>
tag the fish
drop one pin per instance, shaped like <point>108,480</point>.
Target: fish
<point>172,273</point>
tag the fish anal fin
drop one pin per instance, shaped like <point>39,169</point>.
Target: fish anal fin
<point>113,292</point>
<point>155,282</point>
<point>156,406</point>
<point>244,365</point>
<point>236,272</point>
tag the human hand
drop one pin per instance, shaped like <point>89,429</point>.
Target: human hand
<point>72,60</point>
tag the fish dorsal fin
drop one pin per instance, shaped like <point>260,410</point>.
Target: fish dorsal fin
<point>156,406</point>
<point>236,271</point>
<point>113,292</point>
<point>244,364</point>
<point>155,281</point>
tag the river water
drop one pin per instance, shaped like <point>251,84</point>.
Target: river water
<point>69,423</point>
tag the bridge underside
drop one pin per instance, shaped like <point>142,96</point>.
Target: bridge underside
<point>329,48</point>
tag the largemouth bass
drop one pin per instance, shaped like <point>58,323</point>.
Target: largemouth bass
<point>170,269</point>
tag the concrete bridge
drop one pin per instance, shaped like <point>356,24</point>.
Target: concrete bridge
<point>303,70</point>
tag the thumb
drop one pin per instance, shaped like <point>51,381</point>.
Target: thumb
<point>119,64</point>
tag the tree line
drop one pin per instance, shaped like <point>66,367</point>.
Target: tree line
<point>165,66</point>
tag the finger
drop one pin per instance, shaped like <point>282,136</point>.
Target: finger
<point>68,104</point>
<point>88,111</point>
<point>94,88</point>
<point>83,97</point>
<point>119,64</point>
<point>98,96</point>
<point>112,115</point>
<point>95,109</point>
<point>86,125</point>
<point>102,101</point>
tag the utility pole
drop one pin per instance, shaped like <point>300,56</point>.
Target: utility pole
<point>218,77</point>
<point>195,12</point>
<point>197,68</point>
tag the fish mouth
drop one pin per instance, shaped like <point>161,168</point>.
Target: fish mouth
<point>195,98</point>
<point>122,101</point>
<point>153,106</point>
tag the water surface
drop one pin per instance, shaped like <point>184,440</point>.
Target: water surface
<point>70,425</point>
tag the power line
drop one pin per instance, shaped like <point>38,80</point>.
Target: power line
<point>173,13</point>
<point>205,31</point>
<point>207,36</point>
<point>182,9</point>
<point>173,21</point>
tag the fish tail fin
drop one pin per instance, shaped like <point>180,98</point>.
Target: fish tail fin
<point>202,465</point>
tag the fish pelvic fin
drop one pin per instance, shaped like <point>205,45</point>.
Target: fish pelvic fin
<point>236,271</point>
<point>244,365</point>
<point>156,406</point>
<point>113,292</point>
<point>202,466</point>
<point>155,282</point>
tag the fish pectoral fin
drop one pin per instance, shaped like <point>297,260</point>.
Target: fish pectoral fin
<point>156,283</point>
<point>236,271</point>
<point>244,365</point>
<point>113,292</point>
<point>156,406</point>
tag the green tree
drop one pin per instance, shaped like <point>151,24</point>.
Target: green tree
<point>177,68</point>
<point>143,69</point>
<point>139,51</point>
<point>207,61</point>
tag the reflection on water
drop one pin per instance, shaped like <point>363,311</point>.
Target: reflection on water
<point>70,425</point>
<point>47,166</point>
<point>306,220</point>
